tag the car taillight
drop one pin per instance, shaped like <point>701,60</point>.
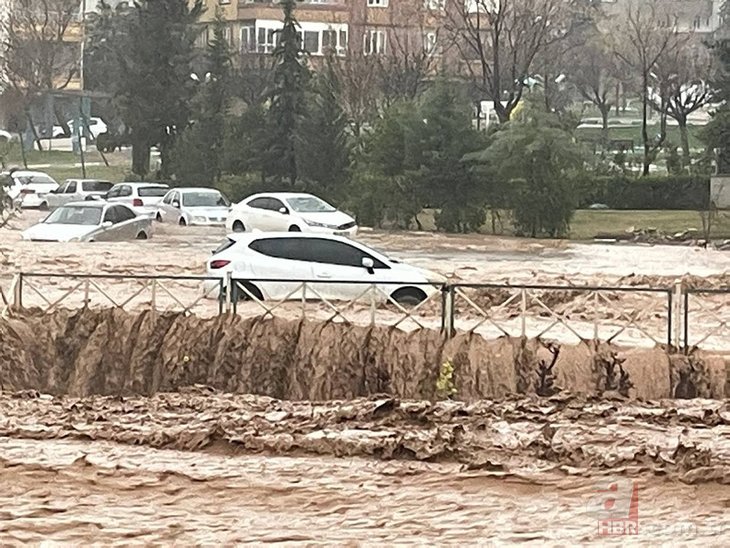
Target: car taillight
<point>219,263</point>
<point>137,202</point>
<point>27,191</point>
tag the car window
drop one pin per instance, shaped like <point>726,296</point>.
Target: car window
<point>114,192</point>
<point>168,198</point>
<point>111,215</point>
<point>225,244</point>
<point>309,204</point>
<point>124,213</point>
<point>71,188</point>
<point>275,205</point>
<point>316,250</point>
<point>259,203</point>
<point>62,189</point>
<point>75,215</point>
<point>96,186</point>
<point>38,179</point>
<point>125,190</point>
<point>152,191</point>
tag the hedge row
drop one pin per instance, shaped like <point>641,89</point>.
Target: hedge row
<point>653,192</point>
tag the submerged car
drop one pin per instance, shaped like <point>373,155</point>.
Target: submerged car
<point>28,187</point>
<point>339,269</point>
<point>75,190</point>
<point>194,206</point>
<point>141,197</point>
<point>90,221</point>
<point>289,212</point>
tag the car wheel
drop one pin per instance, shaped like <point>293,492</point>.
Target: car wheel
<point>238,227</point>
<point>158,218</point>
<point>240,295</point>
<point>142,235</point>
<point>182,222</point>
<point>43,206</point>
<point>294,228</point>
<point>409,296</point>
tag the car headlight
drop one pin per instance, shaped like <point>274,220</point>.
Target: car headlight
<point>320,225</point>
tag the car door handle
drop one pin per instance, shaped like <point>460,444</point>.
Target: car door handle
<point>324,275</point>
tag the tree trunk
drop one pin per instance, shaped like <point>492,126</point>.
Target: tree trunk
<point>140,154</point>
<point>684,137</point>
<point>644,122</point>
<point>36,137</point>
<point>605,108</point>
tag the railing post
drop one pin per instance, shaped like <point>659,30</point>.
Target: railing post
<point>18,293</point>
<point>87,284</point>
<point>229,291</point>
<point>448,314</point>
<point>679,313</point>
<point>523,312</point>
<point>686,319</point>
<point>595,318</point>
<point>304,300</point>
<point>372,304</point>
<point>153,296</point>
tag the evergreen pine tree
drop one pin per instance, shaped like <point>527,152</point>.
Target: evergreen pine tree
<point>287,99</point>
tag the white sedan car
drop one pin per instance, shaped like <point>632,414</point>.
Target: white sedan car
<point>28,187</point>
<point>289,212</point>
<point>194,206</point>
<point>339,269</point>
<point>91,221</point>
<point>143,198</point>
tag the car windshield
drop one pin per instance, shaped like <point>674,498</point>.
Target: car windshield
<point>27,179</point>
<point>96,186</point>
<point>152,191</point>
<point>309,204</point>
<point>75,215</point>
<point>204,199</point>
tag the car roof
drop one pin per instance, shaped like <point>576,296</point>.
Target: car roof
<point>196,189</point>
<point>27,173</point>
<point>250,236</point>
<point>281,195</point>
<point>88,203</point>
<point>142,183</point>
<point>74,180</point>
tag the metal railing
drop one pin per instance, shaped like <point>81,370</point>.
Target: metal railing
<point>566,313</point>
<point>676,316</point>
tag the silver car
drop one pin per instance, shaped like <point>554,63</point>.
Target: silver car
<point>75,190</point>
<point>194,206</point>
<point>91,221</point>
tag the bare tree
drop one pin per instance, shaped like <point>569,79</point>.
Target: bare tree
<point>37,54</point>
<point>681,88</point>
<point>358,77</point>
<point>498,42</point>
<point>594,74</point>
<point>644,34</point>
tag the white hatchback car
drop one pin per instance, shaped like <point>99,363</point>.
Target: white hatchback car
<point>194,206</point>
<point>28,187</point>
<point>339,268</point>
<point>289,212</point>
<point>144,198</point>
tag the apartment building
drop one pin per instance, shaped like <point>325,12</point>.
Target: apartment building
<point>696,16</point>
<point>371,27</point>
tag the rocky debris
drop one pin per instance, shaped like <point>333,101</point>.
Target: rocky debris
<point>686,440</point>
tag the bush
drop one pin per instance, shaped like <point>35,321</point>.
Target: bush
<point>687,192</point>
<point>543,207</point>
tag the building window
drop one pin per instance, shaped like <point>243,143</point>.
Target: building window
<point>248,38</point>
<point>430,43</point>
<point>266,40</point>
<point>202,39</point>
<point>434,4</point>
<point>334,41</point>
<point>310,42</point>
<point>373,42</point>
<point>377,3</point>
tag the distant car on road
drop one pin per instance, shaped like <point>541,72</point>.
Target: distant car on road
<point>330,261</point>
<point>144,198</point>
<point>75,190</point>
<point>194,206</point>
<point>91,221</point>
<point>28,187</point>
<point>289,212</point>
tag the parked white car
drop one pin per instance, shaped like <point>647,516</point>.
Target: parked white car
<point>28,187</point>
<point>144,198</point>
<point>75,190</point>
<point>340,268</point>
<point>91,221</point>
<point>194,206</point>
<point>289,212</point>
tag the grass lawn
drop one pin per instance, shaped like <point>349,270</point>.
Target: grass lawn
<point>634,133</point>
<point>587,223</point>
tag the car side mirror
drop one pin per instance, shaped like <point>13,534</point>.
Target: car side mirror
<point>283,211</point>
<point>368,264</point>
<point>106,224</point>
<point>176,204</point>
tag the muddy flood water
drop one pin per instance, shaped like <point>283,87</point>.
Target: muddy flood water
<point>204,467</point>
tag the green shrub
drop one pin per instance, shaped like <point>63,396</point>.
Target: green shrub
<point>686,192</point>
